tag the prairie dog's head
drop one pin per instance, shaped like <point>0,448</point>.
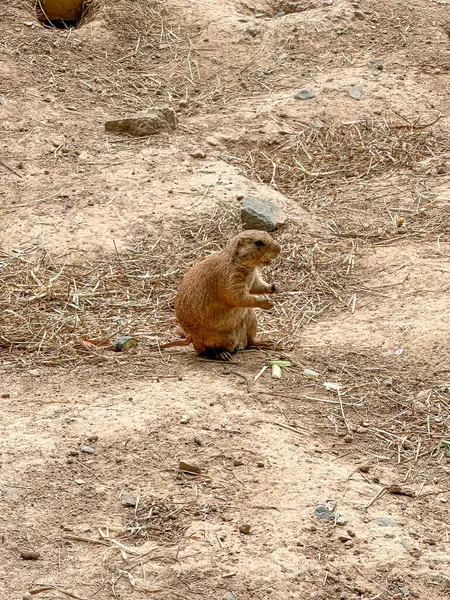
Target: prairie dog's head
<point>254,248</point>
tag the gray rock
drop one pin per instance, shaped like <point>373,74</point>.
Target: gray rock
<point>229,596</point>
<point>198,154</point>
<point>385,522</point>
<point>261,214</point>
<point>87,449</point>
<point>29,555</point>
<point>129,501</point>
<point>148,123</point>
<point>323,512</point>
<point>304,95</point>
<point>253,31</point>
<point>355,92</point>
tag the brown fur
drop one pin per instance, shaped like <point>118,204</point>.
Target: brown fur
<point>216,299</point>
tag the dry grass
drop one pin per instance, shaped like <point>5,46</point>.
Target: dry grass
<point>50,308</point>
<point>321,156</point>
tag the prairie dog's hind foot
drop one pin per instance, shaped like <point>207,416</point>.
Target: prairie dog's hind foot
<point>217,354</point>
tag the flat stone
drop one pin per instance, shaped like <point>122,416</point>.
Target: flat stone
<point>148,123</point>
<point>261,214</point>
<point>304,95</point>
<point>355,92</point>
<point>385,522</point>
<point>87,449</point>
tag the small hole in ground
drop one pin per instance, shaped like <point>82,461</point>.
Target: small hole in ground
<point>62,14</point>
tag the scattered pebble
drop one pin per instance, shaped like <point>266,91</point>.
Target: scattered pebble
<point>359,14</point>
<point>198,440</point>
<point>237,462</point>
<point>304,95</point>
<point>344,537</point>
<point>385,522</point>
<point>324,512</point>
<point>364,468</point>
<point>253,31</point>
<point>34,373</point>
<point>348,439</point>
<point>29,555</point>
<point>129,501</point>
<point>87,449</point>
<point>341,521</point>
<point>245,528</point>
<point>185,419</point>
<point>74,453</point>
<point>355,92</point>
<point>6,395</point>
<point>27,596</point>
<point>229,596</point>
<point>198,154</point>
<point>260,464</point>
<point>93,438</point>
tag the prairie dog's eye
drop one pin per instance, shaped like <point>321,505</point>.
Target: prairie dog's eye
<point>259,243</point>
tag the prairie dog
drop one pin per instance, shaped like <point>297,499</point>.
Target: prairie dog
<point>217,297</point>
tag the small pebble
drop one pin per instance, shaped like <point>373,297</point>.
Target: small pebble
<point>185,419</point>
<point>348,439</point>
<point>6,395</point>
<point>355,92</point>
<point>198,154</point>
<point>304,95</point>
<point>27,596</point>
<point>93,438</point>
<point>198,440</point>
<point>364,468</point>
<point>260,464</point>
<point>29,555</point>
<point>237,462</point>
<point>74,453</point>
<point>34,373</point>
<point>245,528</point>
<point>87,449</point>
<point>359,14</point>
<point>129,501</point>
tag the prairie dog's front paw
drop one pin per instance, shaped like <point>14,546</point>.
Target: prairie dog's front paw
<point>266,304</point>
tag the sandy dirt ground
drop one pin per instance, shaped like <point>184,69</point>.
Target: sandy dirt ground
<point>98,229</point>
